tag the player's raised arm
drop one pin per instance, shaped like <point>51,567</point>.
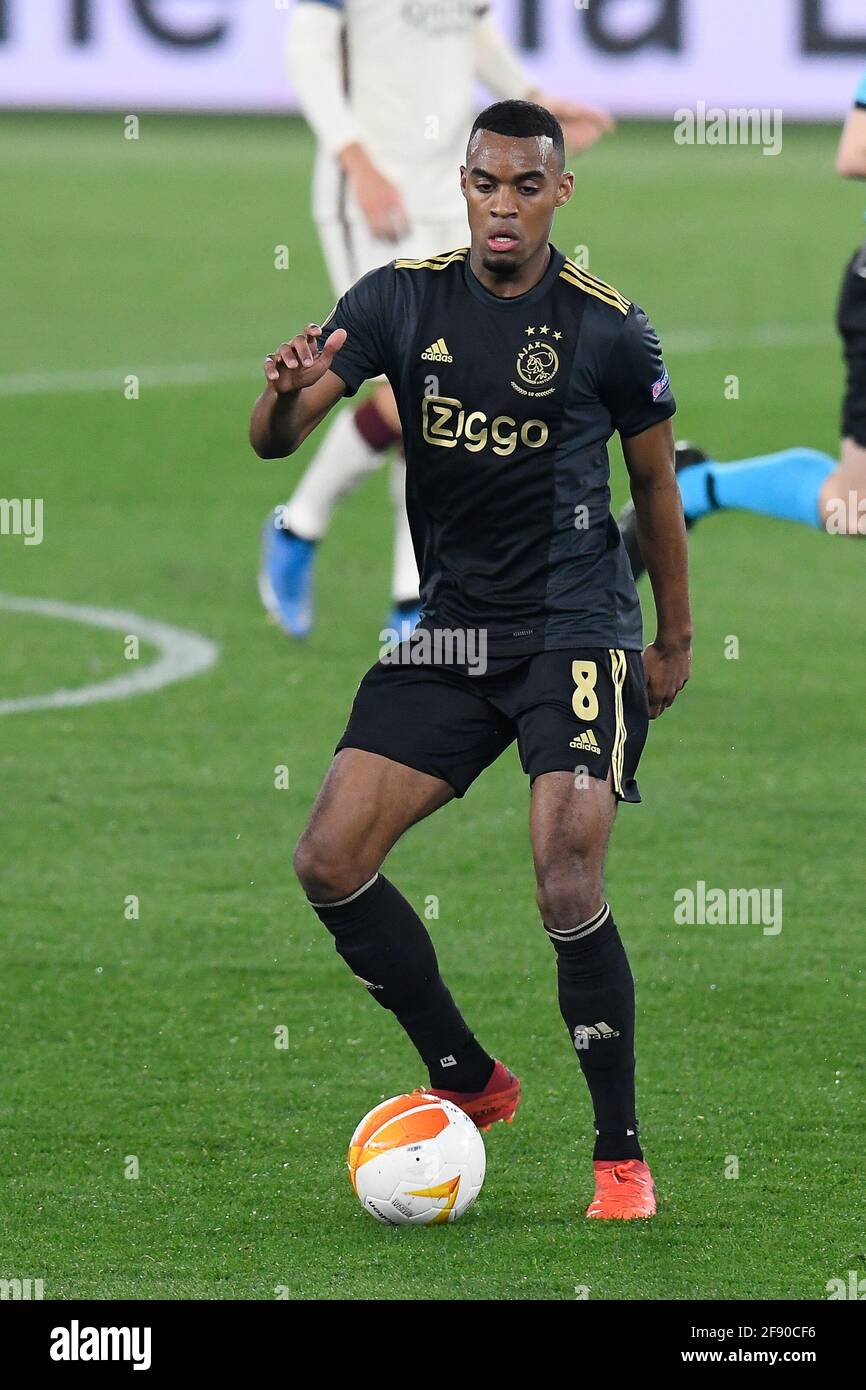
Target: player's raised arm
<point>300,390</point>
<point>661,533</point>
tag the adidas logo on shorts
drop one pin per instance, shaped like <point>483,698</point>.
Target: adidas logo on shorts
<point>586,742</point>
<point>437,352</point>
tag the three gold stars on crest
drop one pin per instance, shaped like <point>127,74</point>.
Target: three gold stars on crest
<point>543,328</point>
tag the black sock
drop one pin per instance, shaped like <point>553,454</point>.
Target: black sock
<point>596,1000</point>
<point>386,945</point>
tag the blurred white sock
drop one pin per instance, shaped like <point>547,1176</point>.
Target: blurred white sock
<point>336,469</point>
<point>404,584</point>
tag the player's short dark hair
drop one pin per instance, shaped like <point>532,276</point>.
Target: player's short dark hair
<point>521,119</point>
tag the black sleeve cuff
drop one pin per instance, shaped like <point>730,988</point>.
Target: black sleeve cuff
<point>352,386</point>
<point>660,413</point>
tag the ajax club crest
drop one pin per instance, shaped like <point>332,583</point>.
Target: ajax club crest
<point>537,365</point>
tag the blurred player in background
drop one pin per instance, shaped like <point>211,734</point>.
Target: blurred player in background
<point>797,484</point>
<point>388,91</point>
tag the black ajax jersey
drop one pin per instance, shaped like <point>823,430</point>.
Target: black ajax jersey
<point>507,406</point>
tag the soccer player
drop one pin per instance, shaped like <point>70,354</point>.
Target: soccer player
<point>509,505</point>
<point>798,484</point>
<point>387,89</point>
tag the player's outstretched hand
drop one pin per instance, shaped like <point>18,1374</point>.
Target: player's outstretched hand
<point>379,199</point>
<point>667,669</point>
<point>581,125</point>
<point>299,363</point>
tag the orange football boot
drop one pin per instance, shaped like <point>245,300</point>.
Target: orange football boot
<point>498,1101</point>
<point>624,1190</point>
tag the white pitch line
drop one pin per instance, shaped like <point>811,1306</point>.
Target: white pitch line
<point>181,654</point>
<point>770,335</point>
<point>695,340</point>
<point>114,378</point>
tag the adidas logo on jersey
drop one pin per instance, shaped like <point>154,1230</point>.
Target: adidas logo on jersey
<point>437,352</point>
<point>586,742</point>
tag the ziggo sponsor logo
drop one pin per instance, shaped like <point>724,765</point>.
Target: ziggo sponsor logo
<point>445,422</point>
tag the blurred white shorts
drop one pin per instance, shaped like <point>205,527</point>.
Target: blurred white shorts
<point>350,250</point>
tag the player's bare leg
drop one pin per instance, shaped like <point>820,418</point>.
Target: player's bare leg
<point>364,806</point>
<point>843,496</point>
<point>570,826</point>
<point>571,819</point>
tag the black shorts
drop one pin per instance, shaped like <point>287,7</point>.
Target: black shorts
<point>851,323</point>
<point>583,711</point>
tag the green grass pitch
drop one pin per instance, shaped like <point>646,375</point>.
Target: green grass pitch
<point>155,1037</point>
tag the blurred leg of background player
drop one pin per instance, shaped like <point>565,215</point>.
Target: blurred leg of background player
<point>802,484</point>
<point>356,444</point>
<point>790,485</point>
<point>798,484</point>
